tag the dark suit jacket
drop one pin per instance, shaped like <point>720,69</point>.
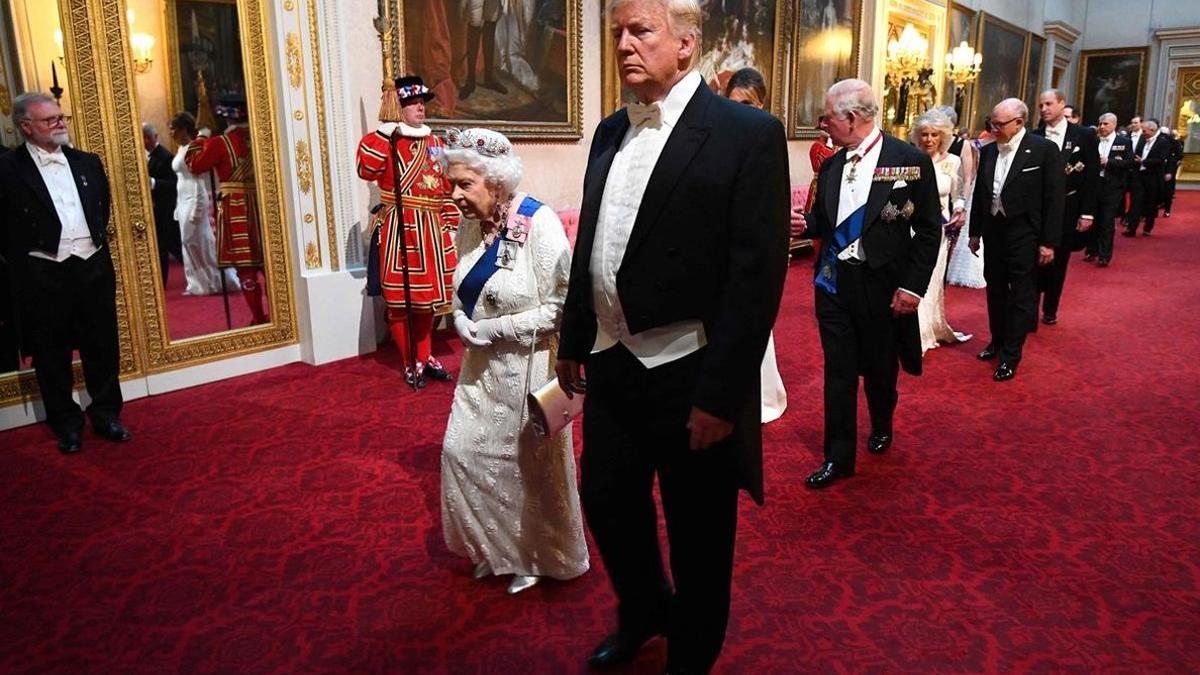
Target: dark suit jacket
<point>163,193</point>
<point>1116,172</point>
<point>709,244</point>
<point>1032,197</point>
<point>1175,156</point>
<point>1152,170</point>
<point>30,222</point>
<point>1081,162</point>
<point>902,248</point>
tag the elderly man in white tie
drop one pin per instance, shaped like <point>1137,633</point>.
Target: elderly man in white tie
<point>54,210</point>
<point>1017,211</point>
<point>675,282</point>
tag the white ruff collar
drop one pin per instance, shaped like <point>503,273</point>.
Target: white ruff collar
<point>414,132</point>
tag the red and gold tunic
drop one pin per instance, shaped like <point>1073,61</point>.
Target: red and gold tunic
<point>239,242</point>
<point>428,214</point>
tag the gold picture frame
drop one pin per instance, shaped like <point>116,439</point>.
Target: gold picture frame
<point>550,58</point>
<point>1002,73</point>
<point>1112,80</point>
<point>816,35</point>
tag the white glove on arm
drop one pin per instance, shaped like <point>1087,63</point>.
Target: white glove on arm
<point>498,328</point>
<point>468,331</point>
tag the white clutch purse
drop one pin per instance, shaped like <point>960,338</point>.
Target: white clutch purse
<point>550,411</point>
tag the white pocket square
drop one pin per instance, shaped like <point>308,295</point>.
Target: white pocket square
<point>899,184</point>
<point>1075,150</point>
<point>1031,168</point>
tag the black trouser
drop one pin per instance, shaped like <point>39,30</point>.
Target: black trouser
<point>858,337</point>
<point>66,304</point>
<point>634,427</point>
<point>1052,278</point>
<point>1169,194</point>
<point>1109,207</point>
<point>170,243</point>
<point>1147,190</point>
<point>1011,292</point>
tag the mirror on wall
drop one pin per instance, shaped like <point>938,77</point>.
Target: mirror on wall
<point>208,218</point>
<point>1187,122</point>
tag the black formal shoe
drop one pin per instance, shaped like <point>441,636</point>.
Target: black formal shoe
<point>877,444</point>
<point>434,370</point>
<point>1089,258</point>
<point>70,442</point>
<point>1006,371</point>
<point>1128,233</point>
<point>827,474</point>
<point>113,430</point>
<point>414,380</point>
<point>988,353</point>
<point>1166,214</point>
<point>618,649</point>
<point>1146,233</point>
<point>1049,319</point>
<point>1104,262</point>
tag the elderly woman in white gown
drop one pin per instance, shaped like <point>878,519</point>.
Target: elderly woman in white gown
<point>932,133</point>
<point>509,497</point>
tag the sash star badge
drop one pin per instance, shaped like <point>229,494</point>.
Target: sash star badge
<point>908,209</point>
<point>889,212</point>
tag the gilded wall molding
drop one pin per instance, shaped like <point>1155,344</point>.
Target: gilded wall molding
<point>294,61</point>
<point>323,137</point>
<point>304,171</point>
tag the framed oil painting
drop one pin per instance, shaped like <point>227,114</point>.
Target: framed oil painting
<point>513,66</point>
<point>1112,80</point>
<point>826,49</point>
<point>1002,73</point>
<point>735,35</point>
<point>1033,75</point>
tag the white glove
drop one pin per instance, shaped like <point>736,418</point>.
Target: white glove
<point>204,133</point>
<point>468,331</point>
<point>387,128</point>
<point>499,328</point>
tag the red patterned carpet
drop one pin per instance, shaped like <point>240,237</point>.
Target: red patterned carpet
<point>288,521</point>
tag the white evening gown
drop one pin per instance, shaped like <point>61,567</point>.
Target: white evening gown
<point>774,396</point>
<point>965,268</point>
<point>192,210</point>
<point>509,497</point>
<point>931,312</point>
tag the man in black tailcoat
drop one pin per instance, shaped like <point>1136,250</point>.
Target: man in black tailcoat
<point>675,283</point>
<point>1081,165</point>
<point>1017,211</point>
<point>54,211</point>
<point>1150,152</point>
<point>1116,159</point>
<point>162,193</point>
<point>879,218</point>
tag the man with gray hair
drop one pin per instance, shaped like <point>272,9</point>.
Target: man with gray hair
<point>1116,158</point>
<point>871,272</point>
<point>163,195</point>
<point>676,279</point>
<point>1150,155</point>
<point>1017,210</point>
<point>54,211</point>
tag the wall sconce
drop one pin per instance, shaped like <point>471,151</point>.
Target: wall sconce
<point>143,47</point>
<point>58,42</point>
<point>907,63</point>
<point>962,67</point>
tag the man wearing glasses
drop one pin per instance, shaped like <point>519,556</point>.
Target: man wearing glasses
<point>54,210</point>
<point>1017,209</point>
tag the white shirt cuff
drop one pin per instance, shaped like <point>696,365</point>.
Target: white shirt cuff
<point>905,290</point>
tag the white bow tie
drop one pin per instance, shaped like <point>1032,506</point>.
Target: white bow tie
<point>645,114</point>
<point>47,158</point>
<point>1053,132</point>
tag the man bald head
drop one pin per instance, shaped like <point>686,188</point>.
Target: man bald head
<point>1008,117</point>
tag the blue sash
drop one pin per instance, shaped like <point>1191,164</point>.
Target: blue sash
<point>472,284</point>
<point>845,234</point>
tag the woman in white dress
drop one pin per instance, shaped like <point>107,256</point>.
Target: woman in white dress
<point>966,268</point>
<point>932,133</point>
<point>509,497</point>
<point>193,212</point>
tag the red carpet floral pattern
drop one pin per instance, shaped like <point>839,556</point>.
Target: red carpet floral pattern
<point>288,521</point>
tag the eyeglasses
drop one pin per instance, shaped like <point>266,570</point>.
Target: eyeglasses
<point>51,121</point>
<point>998,125</point>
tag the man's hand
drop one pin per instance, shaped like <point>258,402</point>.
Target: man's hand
<point>799,224</point>
<point>1169,177</point>
<point>1083,225</point>
<point>1045,255</point>
<point>706,429</point>
<point>570,377</point>
<point>904,303</point>
<point>956,220</point>
<point>973,244</point>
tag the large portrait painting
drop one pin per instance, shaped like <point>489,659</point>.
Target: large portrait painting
<point>826,50</point>
<point>511,65</point>
<point>960,27</point>
<point>206,62</point>
<point>1002,73</point>
<point>735,35</point>
<point>1033,75</point>
<point>1112,80</point>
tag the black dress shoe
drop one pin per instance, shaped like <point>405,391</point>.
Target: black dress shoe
<point>1104,262</point>
<point>1089,258</point>
<point>1128,233</point>
<point>988,353</point>
<point>877,444</point>
<point>618,649</point>
<point>1006,371</point>
<point>414,380</point>
<point>827,474</point>
<point>435,371</point>
<point>70,442</point>
<point>1049,319</point>
<point>113,430</point>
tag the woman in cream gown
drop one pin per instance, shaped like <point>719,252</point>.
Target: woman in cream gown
<point>193,208</point>
<point>932,133</point>
<point>509,496</point>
